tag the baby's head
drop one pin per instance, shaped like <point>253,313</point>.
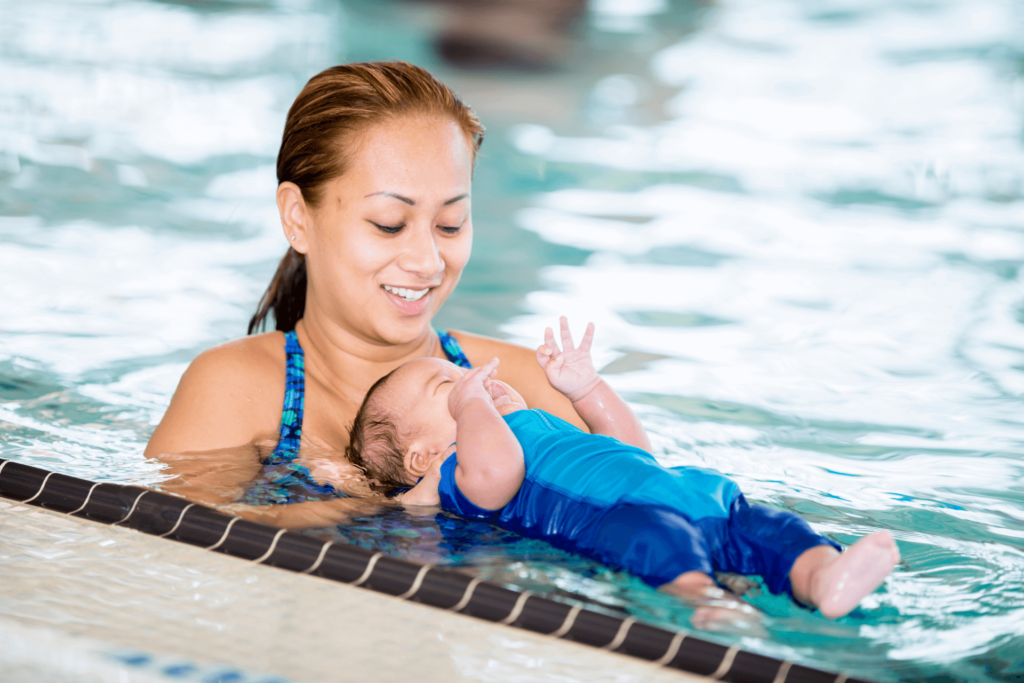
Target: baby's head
<point>404,425</point>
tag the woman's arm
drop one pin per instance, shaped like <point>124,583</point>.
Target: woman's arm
<point>519,368</point>
<point>222,417</point>
<point>309,515</point>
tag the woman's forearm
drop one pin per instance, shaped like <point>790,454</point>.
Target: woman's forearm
<point>606,413</point>
<point>308,515</point>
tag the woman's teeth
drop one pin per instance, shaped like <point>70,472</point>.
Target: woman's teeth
<point>407,294</point>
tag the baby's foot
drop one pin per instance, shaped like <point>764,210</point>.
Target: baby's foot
<point>840,585</point>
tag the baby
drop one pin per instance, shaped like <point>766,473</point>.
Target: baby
<point>601,494</point>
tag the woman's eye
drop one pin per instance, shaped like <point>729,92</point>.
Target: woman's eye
<point>452,229</point>
<point>389,229</point>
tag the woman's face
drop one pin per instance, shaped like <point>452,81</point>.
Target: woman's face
<point>391,236</point>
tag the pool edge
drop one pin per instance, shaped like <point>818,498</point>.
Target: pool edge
<point>162,515</point>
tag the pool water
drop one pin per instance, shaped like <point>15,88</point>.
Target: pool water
<point>798,226</point>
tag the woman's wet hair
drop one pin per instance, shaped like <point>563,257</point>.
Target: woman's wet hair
<point>374,444</point>
<point>336,105</point>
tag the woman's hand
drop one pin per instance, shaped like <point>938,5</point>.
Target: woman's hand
<point>569,370</point>
<point>475,384</point>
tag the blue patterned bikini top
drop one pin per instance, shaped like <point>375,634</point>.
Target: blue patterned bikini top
<point>283,479</point>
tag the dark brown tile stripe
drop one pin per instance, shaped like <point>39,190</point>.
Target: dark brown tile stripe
<point>159,514</point>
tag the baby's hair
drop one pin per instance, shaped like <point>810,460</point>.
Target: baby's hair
<point>374,444</point>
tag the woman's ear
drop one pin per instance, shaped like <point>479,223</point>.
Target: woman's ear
<point>296,218</point>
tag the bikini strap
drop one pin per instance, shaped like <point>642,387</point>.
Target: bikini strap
<point>294,396</point>
<point>453,350</point>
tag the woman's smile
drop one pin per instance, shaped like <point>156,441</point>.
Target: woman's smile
<point>408,300</point>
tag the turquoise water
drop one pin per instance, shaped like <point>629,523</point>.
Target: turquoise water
<point>797,225</point>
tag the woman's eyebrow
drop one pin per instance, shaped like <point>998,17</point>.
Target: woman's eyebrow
<point>455,199</point>
<point>412,202</point>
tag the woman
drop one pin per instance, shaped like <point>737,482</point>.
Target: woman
<point>374,195</point>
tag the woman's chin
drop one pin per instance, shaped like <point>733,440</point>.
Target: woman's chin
<point>400,330</point>
<point>411,309</point>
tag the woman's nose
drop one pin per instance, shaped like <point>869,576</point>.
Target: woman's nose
<point>421,255</point>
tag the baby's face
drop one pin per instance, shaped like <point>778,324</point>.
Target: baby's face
<point>419,391</point>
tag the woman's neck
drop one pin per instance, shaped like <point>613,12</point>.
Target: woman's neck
<point>347,364</point>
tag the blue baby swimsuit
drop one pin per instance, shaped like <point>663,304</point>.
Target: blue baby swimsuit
<point>599,497</point>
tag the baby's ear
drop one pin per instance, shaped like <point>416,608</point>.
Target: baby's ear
<point>417,460</point>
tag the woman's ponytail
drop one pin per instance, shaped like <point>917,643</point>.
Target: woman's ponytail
<point>285,297</point>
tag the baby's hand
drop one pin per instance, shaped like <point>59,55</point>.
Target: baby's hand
<point>569,370</point>
<point>474,384</point>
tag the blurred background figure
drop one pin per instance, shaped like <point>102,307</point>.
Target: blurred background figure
<point>526,35</point>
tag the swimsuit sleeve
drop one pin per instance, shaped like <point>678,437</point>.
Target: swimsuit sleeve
<point>453,500</point>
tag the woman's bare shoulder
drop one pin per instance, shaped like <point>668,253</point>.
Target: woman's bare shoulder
<point>480,349</point>
<point>256,353</point>
<point>229,395</point>
<point>251,366</point>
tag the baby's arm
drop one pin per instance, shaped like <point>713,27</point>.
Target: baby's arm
<point>571,371</point>
<point>491,467</point>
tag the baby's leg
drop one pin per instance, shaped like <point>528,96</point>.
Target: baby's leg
<point>836,583</point>
<point>665,549</point>
<point>793,558</point>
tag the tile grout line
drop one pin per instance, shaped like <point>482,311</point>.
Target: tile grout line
<point>86,502</point>
<point>570,619</point>
<point>470,587</point>
<point>224,536</point>
<point>517,609</point>
<point>319,559</point>
<point>369,570</point>
<point>620,636</point>
<point>673,649</point>
<point>726,664</point>
<point>176,524</point>
<point>780,676</point>
<point>273,545</point>
<point>416,583</point>
<point>41,487</point>
<point>122,521</point>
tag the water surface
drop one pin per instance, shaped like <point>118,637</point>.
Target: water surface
<point>797,226</point>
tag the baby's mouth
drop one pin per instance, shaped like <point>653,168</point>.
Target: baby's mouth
<point>407,294</point>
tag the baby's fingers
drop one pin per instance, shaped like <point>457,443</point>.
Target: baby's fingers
<point>563,322</point>
<point>491,367</point>
<point>480,374</point>
<point>588,338</point>
<point>549,341</point>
